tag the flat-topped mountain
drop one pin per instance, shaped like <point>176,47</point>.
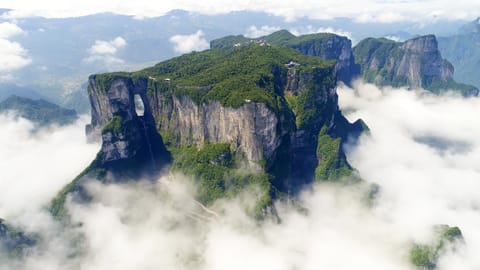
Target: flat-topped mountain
<point>324,45</point>
<point>416,63</point>
<point>259,115</point>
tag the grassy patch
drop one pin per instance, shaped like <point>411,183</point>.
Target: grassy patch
<point>216,171</point>
<point>425,256</point>
<point>332,163</point>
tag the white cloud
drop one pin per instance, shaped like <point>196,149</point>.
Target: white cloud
<point>424,152</point>
<point>255,32</point>
<point>312,30</point>
<point>362,11</point>
<point>8,30</point>
<point>34,166</point>
<point>105,51</point>
<point>12,55</point>
<point>107,47</point>
<point>188,43</point>
<point>394,38</point>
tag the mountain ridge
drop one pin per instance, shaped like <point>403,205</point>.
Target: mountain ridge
<point>226,110</point>
<point>327,46</point>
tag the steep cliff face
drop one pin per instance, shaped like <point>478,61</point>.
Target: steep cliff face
<point>126,135</point>
<point>260,108</point>
<point>292,98</point>
<point>324,45</point>
<point>416,63</point>
<point>251,128</point>
<point>330,47</point>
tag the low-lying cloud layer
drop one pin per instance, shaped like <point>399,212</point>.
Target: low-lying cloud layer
<point>423,151</point>
<point>34,166</point>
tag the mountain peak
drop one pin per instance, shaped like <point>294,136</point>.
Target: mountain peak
<point>422,44</point>
<point>415,63</point>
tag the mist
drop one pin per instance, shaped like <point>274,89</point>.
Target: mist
<point>422,150</point>
<point>35,163</point>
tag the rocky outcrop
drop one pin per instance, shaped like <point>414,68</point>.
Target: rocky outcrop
<point>422,62</point>
<point>330,47</point>
<point>416,63</point>
<point>445,239</point>
<point>125,134</point>
<point>251,128</point>
<point>262,108</point>
<point>254,129</point>
<point>324,45</point>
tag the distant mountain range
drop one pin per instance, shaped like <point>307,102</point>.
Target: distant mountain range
<point>463,51</point>
<point>39,111</point>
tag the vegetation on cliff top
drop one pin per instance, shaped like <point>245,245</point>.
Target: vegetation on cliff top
<point>216,170</point>
<point>333,164</point>
<point>425,256</point>
<point>279,38</point>
<point>232,77</point>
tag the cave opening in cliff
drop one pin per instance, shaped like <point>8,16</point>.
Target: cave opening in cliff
<point>139,105</point>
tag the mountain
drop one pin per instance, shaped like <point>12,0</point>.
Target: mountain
<point>38,111</point>
<point>416,63</point>
<point>463,50</point>
<point>62,70</point>
<point>265,116</point>
<point>9,89</point>
<point>324,45</point>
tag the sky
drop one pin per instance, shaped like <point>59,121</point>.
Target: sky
<point>383,11</point>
